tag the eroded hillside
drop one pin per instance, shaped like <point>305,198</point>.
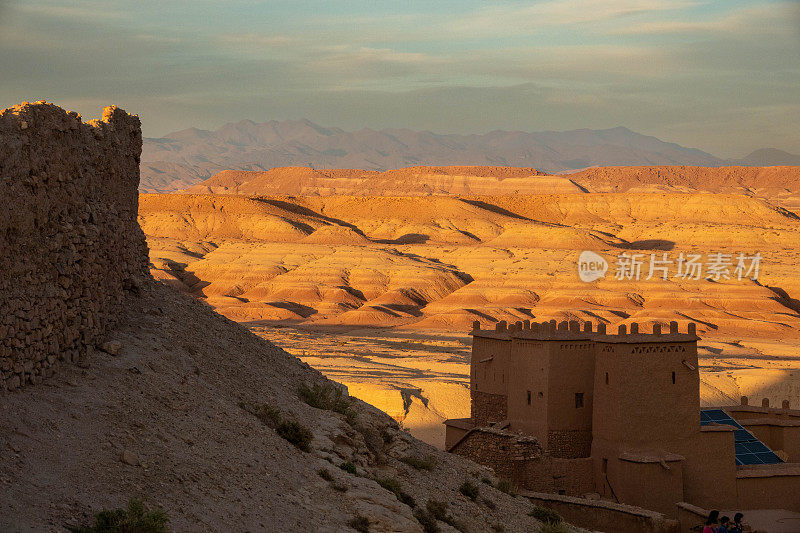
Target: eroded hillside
<point>330,269</point>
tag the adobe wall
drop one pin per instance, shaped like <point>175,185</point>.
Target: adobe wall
<point>600,515</point>
<point>69,238</point>
<point>769,487</point>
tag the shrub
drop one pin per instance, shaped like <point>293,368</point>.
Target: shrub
<point>553,528</point>
<point>427,522</point>
<point>291,430</point>
<point>324,474</point>
<point>329,397</point>
<point>393,485</point>
<point>349,467</point>
<point>425,463</point>
<point>486,480</point>
<point>507,486</point>
<point>269,415</point>
<point>469,490</point>
<point>339,487</point>
<point>134,519</point>
<point>296,433</point>
<point>545,515</point>
<point>359,523</point>
<point>500,528</point>
<point>489,503</point>
<point>437,509</point>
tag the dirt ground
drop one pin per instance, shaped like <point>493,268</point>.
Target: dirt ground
<point>162,421</point>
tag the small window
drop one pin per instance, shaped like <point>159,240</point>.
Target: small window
<point>673,378</point>
<point>606,378</point>
<point>578,400</point>
<point>605,465</point>
<point>541,395</point>
<point>529,397</point>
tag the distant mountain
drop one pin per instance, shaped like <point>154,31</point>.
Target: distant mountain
<point>185,158</point>
<point>768,157</point>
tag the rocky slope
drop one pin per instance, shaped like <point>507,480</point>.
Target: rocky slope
<point>173,418</point>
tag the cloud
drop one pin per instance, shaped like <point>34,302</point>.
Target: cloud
<point>86,11</point>
<point>675,69</point>
<point>762,19</point>
<point>500,20</point>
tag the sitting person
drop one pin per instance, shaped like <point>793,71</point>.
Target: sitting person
<point>724,525</point>
<point>737,526</point>
<point>712,522</point>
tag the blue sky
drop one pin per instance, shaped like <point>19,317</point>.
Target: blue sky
<point>723,76</point>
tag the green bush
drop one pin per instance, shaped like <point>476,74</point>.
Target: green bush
<point>324,474</point>
<point>359,523</point>
<point>545,515</point>
<point>393,485</point>
<point>469,490</point>
<point>296,433</point>
<point>420,463</point>
<point>349,467</point>
<point>328,397</point>
<point>135,519</point>
<point>500,528</point>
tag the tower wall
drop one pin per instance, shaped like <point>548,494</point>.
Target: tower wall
<point>489,371</point>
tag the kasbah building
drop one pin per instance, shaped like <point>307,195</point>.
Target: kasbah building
<point>586,415</point>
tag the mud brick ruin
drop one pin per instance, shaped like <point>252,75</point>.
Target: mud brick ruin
<point>70,243</point>
<point>561,408</point>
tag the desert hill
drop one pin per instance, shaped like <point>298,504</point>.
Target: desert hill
<point>768,157</point>
<point>758,180</point>
<point>778,184</point>
<point>412,181</point>
<point>171,419</point>
<point>182,159</point>
<point>378,292</point>
<point>440,262</point>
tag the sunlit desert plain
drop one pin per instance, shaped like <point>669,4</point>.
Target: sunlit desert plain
<point>376,278</point>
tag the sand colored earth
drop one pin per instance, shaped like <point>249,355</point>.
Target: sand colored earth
<point>429,265</point>
<point>166,420</point>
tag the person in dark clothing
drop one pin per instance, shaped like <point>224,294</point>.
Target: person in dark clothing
<point>724,525</point>
<point>737,526</point>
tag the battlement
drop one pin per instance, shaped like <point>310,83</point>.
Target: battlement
<point>572,330</point>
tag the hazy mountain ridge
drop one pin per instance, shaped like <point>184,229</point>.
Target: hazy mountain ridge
<point>184,158</point>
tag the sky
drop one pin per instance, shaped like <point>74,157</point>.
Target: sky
<point>722,76</point>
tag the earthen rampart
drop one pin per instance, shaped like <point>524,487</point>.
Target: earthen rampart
<point>70,243</point>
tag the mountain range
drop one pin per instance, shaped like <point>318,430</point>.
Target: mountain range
<point>184,158</point>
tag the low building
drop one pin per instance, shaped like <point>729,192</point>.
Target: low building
<point>566,409</point>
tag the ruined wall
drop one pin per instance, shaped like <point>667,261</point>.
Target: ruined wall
<point>69,240</point>
<point>506,453</point>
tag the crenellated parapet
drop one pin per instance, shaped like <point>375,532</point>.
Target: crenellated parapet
<point>573,329</point>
